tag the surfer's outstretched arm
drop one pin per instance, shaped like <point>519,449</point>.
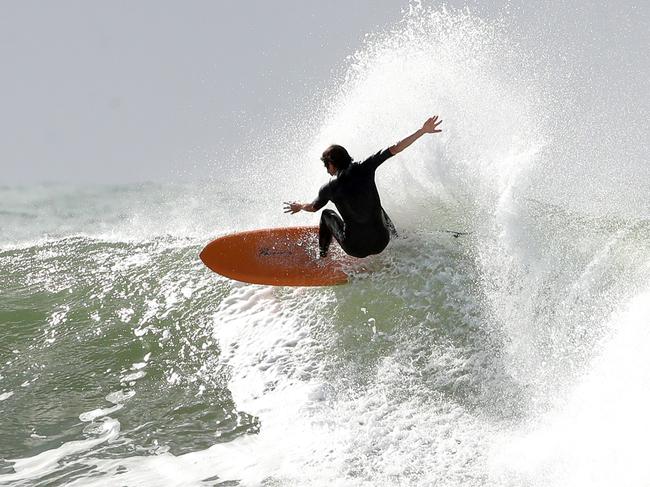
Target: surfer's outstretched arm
<point>296,207</point>
<point>429,127</point>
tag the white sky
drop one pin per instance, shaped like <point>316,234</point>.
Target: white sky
<point>121,91</point>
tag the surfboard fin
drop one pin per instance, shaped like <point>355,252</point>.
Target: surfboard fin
<point>455,233</point>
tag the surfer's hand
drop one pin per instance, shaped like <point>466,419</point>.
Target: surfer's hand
<point>292,207</point>
<point>296,207</point>
<point>431,125</point>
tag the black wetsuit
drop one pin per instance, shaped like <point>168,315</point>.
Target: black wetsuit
<point>365,228</point>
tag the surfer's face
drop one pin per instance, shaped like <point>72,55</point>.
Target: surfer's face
<point>331,170</point>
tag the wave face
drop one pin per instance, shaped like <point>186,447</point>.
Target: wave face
<point>510,356</point>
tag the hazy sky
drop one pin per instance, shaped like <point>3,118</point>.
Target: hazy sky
<point>137,90</point>
<point>127,90</point>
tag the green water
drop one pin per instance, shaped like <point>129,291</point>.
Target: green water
<point>77,314</point>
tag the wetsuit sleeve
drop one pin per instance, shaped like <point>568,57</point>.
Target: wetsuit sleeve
<point>322,198</point>
<point>377,159</point>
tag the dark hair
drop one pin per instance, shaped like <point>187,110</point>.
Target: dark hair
<point>337,156</point>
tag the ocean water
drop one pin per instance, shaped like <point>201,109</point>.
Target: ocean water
<point>512,356</point>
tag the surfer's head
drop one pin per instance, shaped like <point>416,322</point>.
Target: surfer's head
<point>337,156</point>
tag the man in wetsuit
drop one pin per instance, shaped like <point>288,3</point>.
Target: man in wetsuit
<point>365,228</point>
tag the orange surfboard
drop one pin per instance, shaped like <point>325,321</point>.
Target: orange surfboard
<point>277,256</point>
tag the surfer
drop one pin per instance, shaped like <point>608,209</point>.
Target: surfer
<point>363,228</point>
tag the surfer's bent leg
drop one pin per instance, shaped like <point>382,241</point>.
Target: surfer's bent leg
<point>331,225</point>
<point>389,224</point>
